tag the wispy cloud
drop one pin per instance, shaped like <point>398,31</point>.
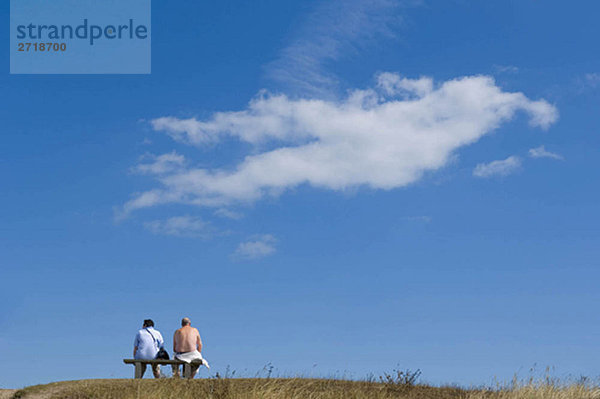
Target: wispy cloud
<point>181,226</point>
<point>334,29</point>
<point>502,167</point>
<point>256,247</point>
<point>160,164</point>
<point>541,152</point>
<point>592,80</point>
<point>228,214</point>
<point>384,137</point>
<point>586,82</point>
<point>506,69</point>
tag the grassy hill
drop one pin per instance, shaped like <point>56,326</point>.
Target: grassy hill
<point>292,388</point>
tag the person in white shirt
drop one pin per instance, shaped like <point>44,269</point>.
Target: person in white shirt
<point>147,343</point>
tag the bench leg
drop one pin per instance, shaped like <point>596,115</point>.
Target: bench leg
<point>187,371</point>
<point>138,370</point>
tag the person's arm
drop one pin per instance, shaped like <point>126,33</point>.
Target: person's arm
<point>198,341</point>
<point>134,351</point>
<point>175,342</point>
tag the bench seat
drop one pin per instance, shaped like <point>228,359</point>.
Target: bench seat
<point>187,367</point>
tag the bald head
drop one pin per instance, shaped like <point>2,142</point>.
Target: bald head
<point>185,321</point>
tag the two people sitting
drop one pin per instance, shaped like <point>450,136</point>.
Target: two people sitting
<point>187,346</point>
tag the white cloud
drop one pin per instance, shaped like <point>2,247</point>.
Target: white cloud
<point>256,247</point>
<point>376,138</point>
<point>334,29</point>
<point>160,164</point>
<point>506,68</point>
<point>498,168</point>
<point>394,84</point>
<point>181,226</point>
<point>540,152</point>
<point>228,214</point>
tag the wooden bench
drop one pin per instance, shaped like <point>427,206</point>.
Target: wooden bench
<point>187,367</point>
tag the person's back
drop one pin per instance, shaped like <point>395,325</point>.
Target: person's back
<point>187,346</point>
<point>146,345</point>
<point>187,339</point>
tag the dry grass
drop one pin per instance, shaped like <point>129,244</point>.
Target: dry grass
<point>298,388</point>
<point>251,388</point>
<point>537,391</point>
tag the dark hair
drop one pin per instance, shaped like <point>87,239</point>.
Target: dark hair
<point>148,323</point>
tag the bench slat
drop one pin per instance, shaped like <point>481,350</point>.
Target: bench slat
<point>159,361</point>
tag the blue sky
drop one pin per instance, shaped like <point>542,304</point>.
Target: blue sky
<point>332,188</point>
